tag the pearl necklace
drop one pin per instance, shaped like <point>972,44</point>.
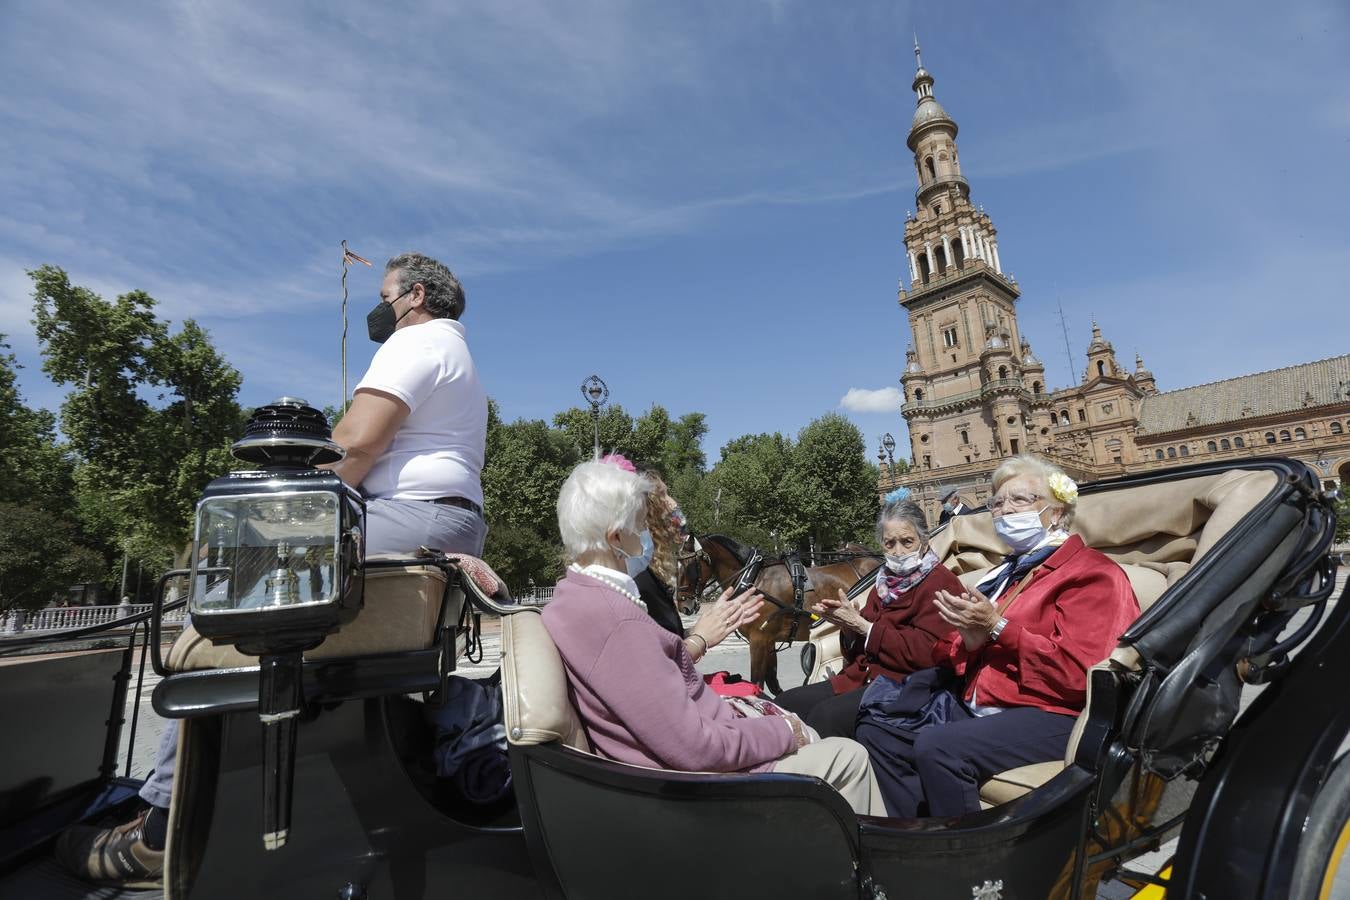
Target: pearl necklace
<point>590,572</point>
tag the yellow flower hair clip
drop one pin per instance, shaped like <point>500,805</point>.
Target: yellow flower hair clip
<point>1064,488</point>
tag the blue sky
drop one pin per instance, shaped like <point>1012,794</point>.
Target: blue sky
<point>700,201</point>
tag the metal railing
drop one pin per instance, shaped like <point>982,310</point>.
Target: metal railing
<point>537,596</point>
<point>66,618</point>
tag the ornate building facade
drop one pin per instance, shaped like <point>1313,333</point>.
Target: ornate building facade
<point>975,392</point>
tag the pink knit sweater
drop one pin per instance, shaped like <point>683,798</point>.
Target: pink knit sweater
<point>638,694</point>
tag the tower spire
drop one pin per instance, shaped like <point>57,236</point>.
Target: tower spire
<point>917,58</point>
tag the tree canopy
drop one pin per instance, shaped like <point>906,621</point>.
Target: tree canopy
<point>150,412</point>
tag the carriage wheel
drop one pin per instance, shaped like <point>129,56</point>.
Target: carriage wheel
<point>1322,870</point>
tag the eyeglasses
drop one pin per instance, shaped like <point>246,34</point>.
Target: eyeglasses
<point>1011,501</point>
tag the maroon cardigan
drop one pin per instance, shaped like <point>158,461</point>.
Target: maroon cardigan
<point>1065,621</point>
<point>902,636</point>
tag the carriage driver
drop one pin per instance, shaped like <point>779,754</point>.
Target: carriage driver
<point>415,437</point>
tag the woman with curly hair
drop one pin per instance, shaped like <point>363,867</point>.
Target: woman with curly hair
<point>893,633</point>
<point>653,570</point>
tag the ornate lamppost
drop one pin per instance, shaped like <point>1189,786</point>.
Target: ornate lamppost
<point>596,393</point>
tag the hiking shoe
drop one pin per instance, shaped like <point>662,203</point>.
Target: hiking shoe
<point>112,855</point>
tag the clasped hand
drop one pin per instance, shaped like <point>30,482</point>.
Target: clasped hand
<point>726,615</point>
<point>841,612</point>
<point>970,613</point>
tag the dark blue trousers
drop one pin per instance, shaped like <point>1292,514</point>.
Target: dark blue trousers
<point>940,772</point>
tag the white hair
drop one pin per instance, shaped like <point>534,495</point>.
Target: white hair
<point>1031,465</point>
<point>598,498</point>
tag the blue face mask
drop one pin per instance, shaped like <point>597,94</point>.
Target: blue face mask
<point>636,564</point>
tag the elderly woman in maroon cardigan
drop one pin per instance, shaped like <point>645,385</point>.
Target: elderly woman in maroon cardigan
<point>893,633</point>
<point>634,685</point>
<point>1013,678</point>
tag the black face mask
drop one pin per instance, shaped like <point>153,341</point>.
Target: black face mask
<point>381,322</point>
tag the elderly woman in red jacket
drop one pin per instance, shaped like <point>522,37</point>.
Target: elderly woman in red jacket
<point>1013,678</point>
<point>894,631</point>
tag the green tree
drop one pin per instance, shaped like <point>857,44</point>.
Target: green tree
<point>744,490</point>
<point>40,556</point>
<point>139,466</point>
<point>526,464</point>
<point>36,471</point>
<point>830,487</point>
<point>683,451</point>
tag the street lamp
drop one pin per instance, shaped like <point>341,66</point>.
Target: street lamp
<point>889,443</point>
<point>596,393</point>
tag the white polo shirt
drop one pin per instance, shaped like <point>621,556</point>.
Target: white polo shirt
<point>438,451</point>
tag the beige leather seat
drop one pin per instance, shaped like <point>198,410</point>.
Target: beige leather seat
<point>536,707</point>
<point>1155,532</point>
<point>402,607</point>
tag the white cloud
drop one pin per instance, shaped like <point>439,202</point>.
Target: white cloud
<point>863,400</point>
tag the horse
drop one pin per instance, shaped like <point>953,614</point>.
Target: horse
<point>693,574</point>
<point>782,618</point>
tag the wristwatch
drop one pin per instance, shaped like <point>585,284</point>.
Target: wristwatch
<point>994,632</point>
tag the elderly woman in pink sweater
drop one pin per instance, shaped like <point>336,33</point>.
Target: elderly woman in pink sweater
<point>634,684</point>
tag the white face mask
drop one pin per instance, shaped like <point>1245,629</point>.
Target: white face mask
<point>1021,531</point>
<point>635,564</point>
<point>903,565</point>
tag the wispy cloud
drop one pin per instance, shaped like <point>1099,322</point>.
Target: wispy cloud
<point>866,400</point>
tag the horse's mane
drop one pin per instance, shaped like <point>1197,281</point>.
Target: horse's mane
<point>731,545</point>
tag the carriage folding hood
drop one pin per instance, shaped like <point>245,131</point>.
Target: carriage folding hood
<point>276,567</point>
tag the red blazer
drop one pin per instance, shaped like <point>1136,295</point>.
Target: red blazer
<point>1065,620</point>
<point>902,636</point>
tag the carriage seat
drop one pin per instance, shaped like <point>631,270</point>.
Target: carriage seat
<point>536,706</point>
<point>401,610</point>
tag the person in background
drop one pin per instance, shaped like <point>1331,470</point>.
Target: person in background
<point>634,685</point>
<point>1017,663</point>
<point>952,505</point>
<point>655,570</point>
<point>893,633</point>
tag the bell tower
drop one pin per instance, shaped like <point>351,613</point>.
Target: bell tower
<point>967,403</point>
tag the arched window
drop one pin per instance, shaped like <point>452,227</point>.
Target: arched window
<point>1284,437</point>
<point>924,272</point>
<point>1002,372</point>
<point>1270,437</point>
<point>1300,434</point>
<point>1239,442</point>
<point>1101,368</point>
<point>965,437</point>
<point>1224,445</point>
<point>1171,452</point>
<point>918,394</point>
<point>1336,428</point>
<point>1185,451</point>
<point>1064,417</point>
<point>928,164</point>
<point>1035,387</point>
<point>1159,452</point>
<point>1212,447</point>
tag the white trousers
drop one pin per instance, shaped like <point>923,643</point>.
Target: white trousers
<point>843,765</point>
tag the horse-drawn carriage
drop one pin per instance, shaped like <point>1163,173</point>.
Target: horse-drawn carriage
<point>1229,561</point>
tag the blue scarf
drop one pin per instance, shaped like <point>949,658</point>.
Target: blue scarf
<point>1014,567</point>
<point>890,586</point>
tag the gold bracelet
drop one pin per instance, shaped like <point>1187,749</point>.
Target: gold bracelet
<point>702,652</point>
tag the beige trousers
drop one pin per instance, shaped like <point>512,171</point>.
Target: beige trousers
<point>843,765</point>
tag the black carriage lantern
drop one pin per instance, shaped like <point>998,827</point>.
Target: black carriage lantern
<point>596,393</point>
<point>888,443</point>
<point>277,567</point>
